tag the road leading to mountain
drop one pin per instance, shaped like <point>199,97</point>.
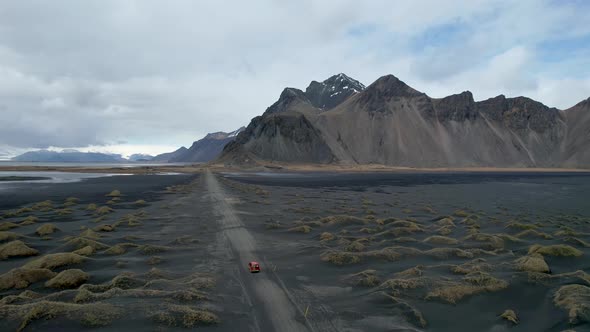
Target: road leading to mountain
<point>277,311</point>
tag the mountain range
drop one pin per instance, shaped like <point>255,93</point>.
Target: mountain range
<point>203,150</point>
<point>69,156</point>
<point>340,121</point>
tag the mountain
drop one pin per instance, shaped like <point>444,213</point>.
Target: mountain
<point>68,156</point>
<point>391,123</point>
<point>203,150</point>
<point>165,157</point>
<point>140,157</point>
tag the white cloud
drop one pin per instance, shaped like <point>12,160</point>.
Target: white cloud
<point>95,73</point>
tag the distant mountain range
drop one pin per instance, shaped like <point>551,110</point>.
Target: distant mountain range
<point>69,156</point>
<point>203,150</point>
<point>339,121</point>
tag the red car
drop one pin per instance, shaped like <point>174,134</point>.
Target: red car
<point>254,267</point>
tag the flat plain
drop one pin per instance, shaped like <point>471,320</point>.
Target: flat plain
<point>404,251</point>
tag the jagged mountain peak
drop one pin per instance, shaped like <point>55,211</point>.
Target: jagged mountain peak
<point>343,82</point>
<point>392,86</point>
<point>332,91</point>
<point>288,97</point>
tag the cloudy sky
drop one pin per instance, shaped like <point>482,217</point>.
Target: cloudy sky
<point>149,76</point>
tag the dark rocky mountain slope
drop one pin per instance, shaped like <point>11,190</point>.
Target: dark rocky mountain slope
<point>203,150</point>
<point>391,123</point>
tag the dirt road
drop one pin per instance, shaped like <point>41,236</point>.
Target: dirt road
<point>272,308</point>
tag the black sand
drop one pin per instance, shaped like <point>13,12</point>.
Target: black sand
<point>166,264</point>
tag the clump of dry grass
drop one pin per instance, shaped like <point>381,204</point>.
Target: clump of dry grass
<point>22,277</point>
<point>120,248</point>
<point>154,260</point>
<point>185,316</point>
<point>340,257</point>
<point>437,239</point>
<point>492,240</point>
<point>68,279</point>
<point>104,228</point>
<point>86,251</point>
<point>29,221</point>
<point>576,300</point>
<point>140,202</point>
<point>366,278</point>
<point>404,239</point>
<point>70,201</point>
<point>461,213</point>
<point>510,316</point>
<point>16,248</point>
<point>91,207</point>
<point>445,221</point>
<point>7,225</point>
<point>342,219</point>
<point>412,272</point>
<point>578,242</point>
<point>523,226</point>
<point>103,210</point>
<point>355,246</point>
<point>532,263</point>
<point>445,253</point>
<point>46,229</point>
<point>114,193</point>
<point>555,250</point>
<point>392,253</point>
<point>26,295</point>
<point>90,315</point>
<point>43,206</point>
<point>300,229</point>
<point>445,230</point>
<point>476,265</point>
<point>147,249</point>
<point>326,236</point>
<point>474,283</point>
<point>533,233</point>
<point>80,242</point>
<point>52,261</point>
<point>4,236</point>
<point>64,212</point>
<point>428,209</point>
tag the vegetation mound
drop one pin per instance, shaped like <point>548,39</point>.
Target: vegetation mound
<point>300,229</point>
<point>68,279</point>
<point>474,283</point>
<point>326,236</point>
<point>89,315</point>
<point>510,316</point>
<point>9,236</point>
<point>7,225</point>
<point>52,261</point>
<point>22,277</point>
<point>29,221</point>
<point>532,263</point>
<point>16,248</point>
<point>114,193</point>
<point>183,315</point>
<point>367,278</point>
<point>103,210</point>
<point>555,250</point>
<point>437,239</point>
<point>576,300</point>
<point>46,229</point>
<point>340,257</point>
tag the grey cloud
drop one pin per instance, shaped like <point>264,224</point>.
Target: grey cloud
<point>79,73</point>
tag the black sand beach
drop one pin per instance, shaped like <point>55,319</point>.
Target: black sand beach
<point>339,252</point>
